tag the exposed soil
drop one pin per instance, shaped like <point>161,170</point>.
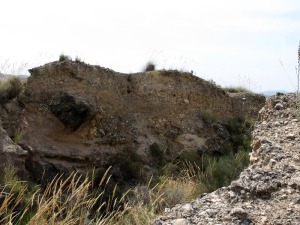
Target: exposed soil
<point>75,116</point>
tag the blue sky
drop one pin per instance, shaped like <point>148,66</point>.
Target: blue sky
<point>234,42</point>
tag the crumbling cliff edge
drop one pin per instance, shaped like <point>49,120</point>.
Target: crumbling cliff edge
<point>268,191</point>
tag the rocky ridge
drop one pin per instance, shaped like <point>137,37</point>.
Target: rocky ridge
<point>75,116</point>
<point>268,191</point>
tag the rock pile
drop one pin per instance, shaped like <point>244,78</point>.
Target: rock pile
<point>268,191</point>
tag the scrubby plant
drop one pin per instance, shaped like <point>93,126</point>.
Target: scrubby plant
<point>63,57</point>
<point>207,116</point>
<point>18,136</point>
<point>10,88</point>
<point>78,60</point>
<point>150,66</point>
<point>237,89</point>
<point>219,172</point>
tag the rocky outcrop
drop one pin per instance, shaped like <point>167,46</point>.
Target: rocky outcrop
<point>10,152</point>
<point>268,192</point>
<point>76,116</point>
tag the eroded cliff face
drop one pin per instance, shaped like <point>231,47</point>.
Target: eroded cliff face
<point>268,191</point>
<point>75,116</point>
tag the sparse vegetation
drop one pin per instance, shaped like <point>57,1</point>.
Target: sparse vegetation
<point>10,88</point>
<point>150,66</point>
<point>64,57</point>
<point>220,171</point>
<point>207,116</point>
<point>18,135</point>
<point>237,89</point>
<point>77,59</point>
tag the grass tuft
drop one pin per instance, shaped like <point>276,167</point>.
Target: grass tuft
<point>64,57</point>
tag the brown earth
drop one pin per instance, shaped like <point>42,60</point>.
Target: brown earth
<point>75,116</point>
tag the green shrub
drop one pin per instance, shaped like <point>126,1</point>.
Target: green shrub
<point>240,133</point>
<point>219,172</point>
<point>64,57</point>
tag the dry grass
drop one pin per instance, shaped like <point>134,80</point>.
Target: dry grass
<point>69,201</point>
<point>63,202</point>
<point>74,201</point>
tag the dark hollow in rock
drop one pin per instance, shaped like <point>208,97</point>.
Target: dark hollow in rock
<point>70,110</point>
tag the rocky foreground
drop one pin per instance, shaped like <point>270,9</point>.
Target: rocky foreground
<point>268,191</point>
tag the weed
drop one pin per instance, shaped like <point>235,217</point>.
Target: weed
<point>77,59</point>
<point>237,89</point>
<point>18,136</point>
<point>150,66</point>
<point>207,116</point>
<point>64,57</point>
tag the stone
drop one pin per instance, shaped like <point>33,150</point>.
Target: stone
<point>187,208</point>
<point>238,212</point>
<point>278,106</point>
<point>290,136</point>
<point>180,222</point>
<point>186,101</point>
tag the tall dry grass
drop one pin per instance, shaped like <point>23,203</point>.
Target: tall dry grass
<point>78,200</point>
<point>70,201</point>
